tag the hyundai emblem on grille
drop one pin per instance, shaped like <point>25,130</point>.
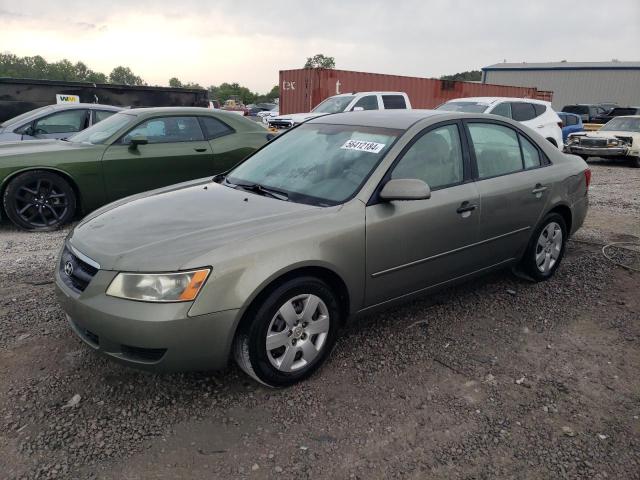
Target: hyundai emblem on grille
<point>68,268</point>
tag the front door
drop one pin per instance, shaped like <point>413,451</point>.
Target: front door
<point>412,245</point>
<point>176,151</point>
<point>514,188</point>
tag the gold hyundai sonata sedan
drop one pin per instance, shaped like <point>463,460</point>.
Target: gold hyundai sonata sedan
<point>337,217</point>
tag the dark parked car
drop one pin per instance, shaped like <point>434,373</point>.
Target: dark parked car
<point>54,121</point>
<point>43,183</point>
<point>587,112</point>
<point>342,215</point>
<point>616,112</point>
<point>571,123</point>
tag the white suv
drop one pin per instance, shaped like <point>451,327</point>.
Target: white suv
<point>346,102</point>
<point>535,114</point>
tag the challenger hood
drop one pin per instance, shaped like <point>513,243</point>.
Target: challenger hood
<point>165,229</point>
<point>29,147</point>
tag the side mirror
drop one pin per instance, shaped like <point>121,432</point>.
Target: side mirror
<point>405,189</point>
<point>138,140</point>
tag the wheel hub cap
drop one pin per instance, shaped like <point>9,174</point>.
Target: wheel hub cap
<point>549,247</point>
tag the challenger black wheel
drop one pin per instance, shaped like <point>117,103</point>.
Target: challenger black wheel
<point>39,200</point>
<point>290,333</point>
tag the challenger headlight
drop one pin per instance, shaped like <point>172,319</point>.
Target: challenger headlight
<point>159,287</point>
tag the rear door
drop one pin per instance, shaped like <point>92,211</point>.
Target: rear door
<point>513,184</point>
<point>413,245</point>
<point>228,146</point>
<point>177,151</point>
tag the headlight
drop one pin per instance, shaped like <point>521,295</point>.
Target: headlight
<point>574,140</point>
<point>612,142</point>
<point>158,287</point>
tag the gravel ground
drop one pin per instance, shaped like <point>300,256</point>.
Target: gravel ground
<point>498,378</point>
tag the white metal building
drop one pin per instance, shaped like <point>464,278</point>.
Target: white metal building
<point>573,82</point>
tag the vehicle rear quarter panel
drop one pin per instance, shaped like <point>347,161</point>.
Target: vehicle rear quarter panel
<point>229,150</point>
<point>334,241</point>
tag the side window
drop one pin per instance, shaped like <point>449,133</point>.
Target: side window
<point>435,158</point>
<point>99,115</point>
<point>167,130</point>
<point>67,121</point>
<point>530,154</point>
<point>539,109</point>
<point>571,120</point>
<point>214,128</point>
<point>393,102</point>
<point>370,102</point>
<point>502,109</point>
<point>522,111</point>
<point>497,149</point>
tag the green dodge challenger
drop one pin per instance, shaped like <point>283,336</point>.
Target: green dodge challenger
<point>44,183</point>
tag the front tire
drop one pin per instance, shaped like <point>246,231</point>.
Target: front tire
<point>290,332</point>
<point>39,200</point>
<point>546,248</point>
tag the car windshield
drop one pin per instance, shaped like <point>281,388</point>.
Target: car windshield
<point>468,107</point>
<point>333,104</point>
<point>622,124</point>
<point>317,163</point>
<point>23,116</point>
<point>577,109</point>
<point>100,132</point>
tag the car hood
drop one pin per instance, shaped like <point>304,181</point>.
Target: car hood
<point>298,117</point>
<point>39,146</point>
<point>163,230</point>
<point>608,134</point>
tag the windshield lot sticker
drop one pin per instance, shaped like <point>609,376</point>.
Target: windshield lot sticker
<point>363,146</point>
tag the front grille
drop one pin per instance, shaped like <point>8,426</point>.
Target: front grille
<point>74,272</point>
<point>279,124</point>
<point>593,142</point>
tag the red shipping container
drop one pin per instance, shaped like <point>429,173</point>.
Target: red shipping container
<point>303,89</point>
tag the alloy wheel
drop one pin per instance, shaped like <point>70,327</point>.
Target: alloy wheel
<point>40,203</point>
<point>549,247</point>
<point>297,332</point>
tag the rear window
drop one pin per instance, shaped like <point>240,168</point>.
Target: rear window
<point>394,102</point>
<point>623,111</point>
<point>468,107</point>
<point>522,111</point>
<point>578,109</point>
<point>540,109</point>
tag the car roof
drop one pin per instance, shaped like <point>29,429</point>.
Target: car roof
<point>627,116</point>
<point>375,92</point>
<point>49,109</point>
<point>172,110</point>
<point>400,119</point>
<point>490,100</point>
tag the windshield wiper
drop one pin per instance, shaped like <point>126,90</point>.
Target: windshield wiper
<point>262,190</point>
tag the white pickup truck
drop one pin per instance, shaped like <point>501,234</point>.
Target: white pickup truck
<point>346,102</point>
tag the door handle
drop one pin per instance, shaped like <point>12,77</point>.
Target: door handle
<point>466,207</point>
<point>540,126</point>
<point>539,188</point>
<point>200,149</point>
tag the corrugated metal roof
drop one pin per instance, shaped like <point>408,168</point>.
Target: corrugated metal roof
<point>565,66</point>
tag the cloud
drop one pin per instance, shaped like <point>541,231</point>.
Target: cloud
<point>248,42</point>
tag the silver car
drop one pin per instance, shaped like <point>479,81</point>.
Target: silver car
<point>54,121</point>
<point>338,217</point>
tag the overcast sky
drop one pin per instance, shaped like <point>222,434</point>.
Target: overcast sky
<point>210,42</point>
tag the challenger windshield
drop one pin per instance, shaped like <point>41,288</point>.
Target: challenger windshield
<point>100,132</point>
<point>333,104</point>
<point>468,107</point>
<point>622,124</point>
<point>316,163</point>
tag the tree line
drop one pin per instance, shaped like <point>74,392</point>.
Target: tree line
<point>38,68</point>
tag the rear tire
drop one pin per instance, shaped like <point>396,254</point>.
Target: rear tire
<point>300,318</point>
<point>546,248</point>
<point>39,200</point>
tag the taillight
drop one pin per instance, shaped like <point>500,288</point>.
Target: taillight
<point>587,177</point>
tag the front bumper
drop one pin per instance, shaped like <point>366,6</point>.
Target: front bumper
<point>157,337</point>
<point>598,151</point>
